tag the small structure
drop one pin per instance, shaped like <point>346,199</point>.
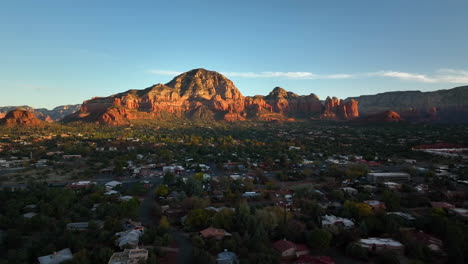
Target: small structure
<point>216,233</point>
<point>81,184</point>
<point>129,256</point>
<point>227,257</point>
<point>403,215</point>
<point>442,205</point>
<point>126,198</point>
<point>285,248</point>
<point>129,238</point>
<point>83,226</point>
<point>378,244</point>
<point>376,205</point>
<point>462,212</point>
<point>57,257</point>
<point>392,185</point>
<point>331,221</point>
<point>250,194</point>
<point>112,184</point>
<point>380,177</point>
<point>29,215</point>
<point>349,190</point>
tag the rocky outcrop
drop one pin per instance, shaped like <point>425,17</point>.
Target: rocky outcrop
<point>384,117</point>
<point>21,117</point>
<point>340,109</point>
<point>205,95</point>
<point>54,115</point>
<point>442,105</point>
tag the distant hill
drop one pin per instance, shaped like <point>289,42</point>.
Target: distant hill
<point>200,94</point>
<point>54,115</point>
<point>442,106</point>
<point>21,117</point>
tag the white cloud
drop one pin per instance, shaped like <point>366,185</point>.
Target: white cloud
<point>404,76</point>
<point>441,76</point>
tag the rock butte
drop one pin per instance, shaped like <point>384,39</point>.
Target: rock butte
<point>20,117</point>
<point>207,95</point>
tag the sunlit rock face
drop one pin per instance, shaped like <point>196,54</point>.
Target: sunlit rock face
<point>20,117</point>
<point>205,95</point>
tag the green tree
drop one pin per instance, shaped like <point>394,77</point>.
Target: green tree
<point>319,239</point>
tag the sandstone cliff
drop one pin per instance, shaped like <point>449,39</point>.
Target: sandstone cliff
<point>205,95</point>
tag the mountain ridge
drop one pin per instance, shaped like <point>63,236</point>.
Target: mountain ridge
<point>204,94</point>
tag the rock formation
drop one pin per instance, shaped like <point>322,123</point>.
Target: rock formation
<point>340,109</point>
<point>21,117</point>
<point>383,117</point>
<point>205,95</point>
<point>54,115</point>
<point>443,105</point>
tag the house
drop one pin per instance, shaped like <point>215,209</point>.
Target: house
<point>333,222</point>
<point>378,244</point>
<point>289,249</point>
<point>129,238</point>
<point>227,257</point>
<point>285,248</point>
<point>402,215</point>
<point>83,226</point>
<point>126,198</point>
<point>57,257</point>
<point>380,177</point>
<point>376,205</point>
<point>112,184</point>
<point>81,184</point>
<point>460,212</point>
<point>29,215</point>
<point>216,233</point>
<point>442,205</point>
<point>250,194</point>
<point>129,256</point>
<point>392,185</point>
<point>307,259</point>
<point>112,192</point>
<point>349,190</point>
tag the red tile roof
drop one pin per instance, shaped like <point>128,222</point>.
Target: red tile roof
<point>283,245</point>
<point>214,232</point>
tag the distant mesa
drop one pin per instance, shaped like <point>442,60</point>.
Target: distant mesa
<point>54,115</point>
<point>438,106</point>
<point>383,117</point>
<point>205,95</point>
<point>21,117</point>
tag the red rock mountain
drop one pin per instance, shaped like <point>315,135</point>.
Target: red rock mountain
<point>207,95</point>
<point>20,117</point>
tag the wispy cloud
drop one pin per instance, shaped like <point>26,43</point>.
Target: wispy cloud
<point>441,76</point>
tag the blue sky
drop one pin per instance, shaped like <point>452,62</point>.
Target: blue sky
<point>64,52</point>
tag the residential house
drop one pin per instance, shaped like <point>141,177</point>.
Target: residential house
<point>227,257</point>
<point>216,233</point>
<point>57,257</point>
<point>378,244</point>
<point>376,205</point>
<point>380,177</point>
<point>129,256</point>
<point>335,223</point>
<point>288,249</point>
